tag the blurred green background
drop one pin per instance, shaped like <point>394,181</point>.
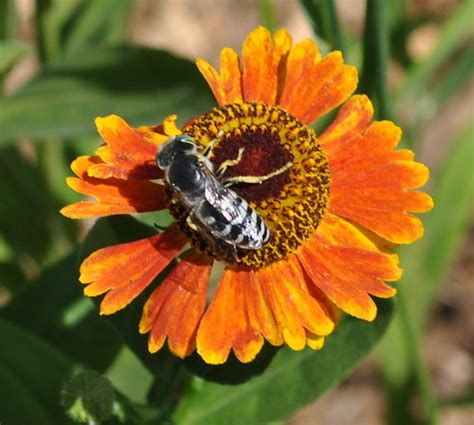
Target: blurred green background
<point>63,62</point>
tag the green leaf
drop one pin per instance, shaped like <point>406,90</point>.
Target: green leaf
<point>456,77</point>
<point>54,307</point>
<point>291,381</point>
<point>455,30</point>
<point>7,19</point>
<point>66,26</point>
<point>28,212</point>
<point>142,85</point>
<point>96,22</point>
<point>31,376</point>
<point>88,397</point>
<point>10,53</point>
<point>322,15</point>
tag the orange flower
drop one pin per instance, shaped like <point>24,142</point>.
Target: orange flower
<point>333,214</point>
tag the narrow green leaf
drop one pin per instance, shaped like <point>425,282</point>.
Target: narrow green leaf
<point>67,26</point>
<point>456,77</point>
<point>10,53</point>
<point>97,22</point>
<point>454,31</point>
<point>322,15</point>
<point>31,376</point>
<point>291,381</point>
<point>7,19</point>
<point>142,85</point>
<point>448,83</point>
<point>376,55</point>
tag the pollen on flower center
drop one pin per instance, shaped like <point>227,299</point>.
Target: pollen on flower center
<point>289,173</point>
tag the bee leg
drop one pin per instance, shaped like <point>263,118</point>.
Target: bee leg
<point>229,163</point>
<point>191,224</point>
<point>207,152</point>
<point>255,179</point>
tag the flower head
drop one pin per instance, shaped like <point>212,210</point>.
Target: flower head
<point>334,205</point>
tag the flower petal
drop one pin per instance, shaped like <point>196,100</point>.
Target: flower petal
<point>175,307</point>
<point>314,86</point>
<point>261,62</point>
<point>353,118</point>
<point>114,196</point>
<point>127,154</point>
<point>315,342</point>
<point>226,87</point>
<point>347,266</point>
<point>158,134</point>
<point>370,182</point>
<point>227,323</point>
<point>125,270</point>
<point>293,307</point>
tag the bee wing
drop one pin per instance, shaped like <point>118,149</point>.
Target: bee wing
<point>228,217</point>
<point>232,207</point>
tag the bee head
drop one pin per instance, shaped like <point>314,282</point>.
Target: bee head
<point>175,144</point>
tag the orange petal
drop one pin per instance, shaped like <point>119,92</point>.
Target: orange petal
<point>226,87</point>
<point>125,270</point>
<point>175,307</point>
<point>315,342</point>
<point>227,324</point>
<point>314,86</point>
<point>261,62</point>
<point>82,163</point>
<point>260,313</point>
<point>370,182</point>
<point>114,196</point>
<point>159,134</point>
<point>353,118</point>
<point>127,154</point>
<point>294,309</point>
<point>347,266</point>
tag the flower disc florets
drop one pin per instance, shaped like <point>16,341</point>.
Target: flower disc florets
<point>291,202</point>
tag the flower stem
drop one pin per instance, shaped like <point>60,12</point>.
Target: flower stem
<point>267,14</point>
<point>376,56</point>
<point>421,375</point>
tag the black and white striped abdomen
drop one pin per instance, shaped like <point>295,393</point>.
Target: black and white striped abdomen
<point>230,219</point>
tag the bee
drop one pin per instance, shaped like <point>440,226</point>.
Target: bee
<point>213,208</point>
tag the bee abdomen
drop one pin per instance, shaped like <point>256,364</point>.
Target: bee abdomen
<point>245,229</point>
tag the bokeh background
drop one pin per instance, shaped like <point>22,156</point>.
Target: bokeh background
<point>431,96</point>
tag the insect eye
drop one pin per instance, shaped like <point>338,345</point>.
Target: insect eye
<point>186,142</point>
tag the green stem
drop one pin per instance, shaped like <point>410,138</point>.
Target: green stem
<point>267,14</point>
<point>422,377</point>
<point>42,8</point>
<point>376,56</point>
